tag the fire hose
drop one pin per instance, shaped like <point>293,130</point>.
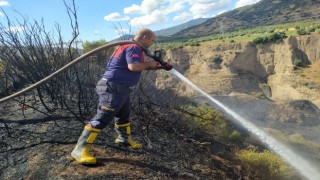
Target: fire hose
<point>156,55</point>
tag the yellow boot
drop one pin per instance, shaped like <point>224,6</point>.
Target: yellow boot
<point>81,152</point>
<point>124,136</point>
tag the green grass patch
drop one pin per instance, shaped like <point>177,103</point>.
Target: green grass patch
<point>244,34</point>
<point>263,164</point>
<point>205,117</point>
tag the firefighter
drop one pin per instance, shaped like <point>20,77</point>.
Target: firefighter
<point>122,72</point>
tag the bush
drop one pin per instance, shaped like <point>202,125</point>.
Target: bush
<point>235,136</point>
<point>312,29</point>
<point>194,44</point>
<point>297,63</point>
<point>165,76</point>
<point>258,40</point>
<point>272,31</point>
<point>275,37</point>
<point>301,32</point>
<point>204,116</point>
<point>262,164</point>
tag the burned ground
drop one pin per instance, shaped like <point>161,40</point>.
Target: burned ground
<point>39,148</point>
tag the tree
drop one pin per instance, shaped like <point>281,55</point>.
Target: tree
<point>34,53</point>
<point>101,57</point>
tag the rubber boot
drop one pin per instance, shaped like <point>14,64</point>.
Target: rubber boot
<point>124,136</point>
<point>81,152</point>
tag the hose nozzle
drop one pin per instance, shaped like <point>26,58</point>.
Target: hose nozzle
<point>158,56</point>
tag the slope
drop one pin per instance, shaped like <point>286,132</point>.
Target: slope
<point>265,12</point>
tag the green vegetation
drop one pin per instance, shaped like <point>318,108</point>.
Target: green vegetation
<point>206,117</point>
<point>88,46</point>
<point>165,75</point>
<point>301,31</point>
<point>258,163</point>
<point>297,63</point>
<point>100,57</point>
<point>235,136</point>
<point>274,37</point>
<point>272,33</point>
<point>263,164</point>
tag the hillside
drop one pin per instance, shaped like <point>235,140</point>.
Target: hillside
<point>265,12</point>
<point>175,29</point>
<point>261,83</point>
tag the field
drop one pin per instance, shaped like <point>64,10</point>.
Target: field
<point>248,34</point>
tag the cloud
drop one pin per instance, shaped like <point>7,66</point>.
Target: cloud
<point>4,3</point>
<point>152,12</point>
<point>241,3</point>
<point>116,17</point>
<point>183,16</point>
<point>133,9</point>
<point>156,17</point>
<point>173,6</point>
<point>202,8</point>
<point>146,7</point>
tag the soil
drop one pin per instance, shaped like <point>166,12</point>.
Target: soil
<point>33,147</point>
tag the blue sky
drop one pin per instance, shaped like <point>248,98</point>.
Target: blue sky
<point>101,19</point>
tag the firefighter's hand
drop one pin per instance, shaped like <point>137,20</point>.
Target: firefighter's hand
<point>167,66</point>
<point>152,65</point>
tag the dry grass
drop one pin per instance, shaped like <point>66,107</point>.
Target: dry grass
<point>194,69</point>
<point>312,73</point>
<point>309,76</point>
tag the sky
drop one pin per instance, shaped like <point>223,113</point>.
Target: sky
<point>102,19</point>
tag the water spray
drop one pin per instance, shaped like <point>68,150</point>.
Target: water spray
<point>304,167</point>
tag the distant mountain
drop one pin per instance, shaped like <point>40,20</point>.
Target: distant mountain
<point>168,31</point>
<point>265,12</point>
<point>123,37</point>
<point>175,29</point>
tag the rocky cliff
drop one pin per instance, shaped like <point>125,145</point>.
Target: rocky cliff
<point>266,71</point>
<point>274,86</point>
